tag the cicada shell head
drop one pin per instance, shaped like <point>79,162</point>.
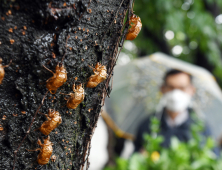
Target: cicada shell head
<point>47,141</point>
<point>61,69</point>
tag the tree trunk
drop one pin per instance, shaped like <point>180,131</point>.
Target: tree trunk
<point>40,33</point>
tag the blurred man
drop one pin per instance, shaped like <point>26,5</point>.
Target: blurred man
<point>175,119</point>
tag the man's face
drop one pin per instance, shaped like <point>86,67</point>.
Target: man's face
<point>179,81</point>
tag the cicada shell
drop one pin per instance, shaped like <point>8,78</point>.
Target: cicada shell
<point>2,71</point>
<point>99,76</point>
<point>75,98</point>
<point>45,151</point>
<point>54,119</point>
<point>57,80</point>
<point>135,27</point>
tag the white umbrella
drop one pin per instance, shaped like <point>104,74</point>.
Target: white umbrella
<point>208,80</point>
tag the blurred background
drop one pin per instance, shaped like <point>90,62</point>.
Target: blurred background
<point>189,31</point>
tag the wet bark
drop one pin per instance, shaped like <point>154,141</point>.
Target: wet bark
<point>40,32</point>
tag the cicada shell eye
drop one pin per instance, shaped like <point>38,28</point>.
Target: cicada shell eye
<point>53,91</point>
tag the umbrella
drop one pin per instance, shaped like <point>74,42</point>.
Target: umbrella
<point>136,93</point>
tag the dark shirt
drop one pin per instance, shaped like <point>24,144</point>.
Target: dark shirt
<point>182,132</point>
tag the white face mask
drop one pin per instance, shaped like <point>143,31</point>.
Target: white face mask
<point>176,100</point>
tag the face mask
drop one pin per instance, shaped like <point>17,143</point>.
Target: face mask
<point>176,100</point>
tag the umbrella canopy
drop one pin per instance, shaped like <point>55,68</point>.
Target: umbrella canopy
<point>136,93</point>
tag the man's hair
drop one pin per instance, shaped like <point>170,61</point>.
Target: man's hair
<point>172,72</point>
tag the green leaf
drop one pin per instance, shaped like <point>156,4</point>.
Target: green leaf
<point>137,162</point>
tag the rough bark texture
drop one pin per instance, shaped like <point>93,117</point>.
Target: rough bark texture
<point>30,32</point>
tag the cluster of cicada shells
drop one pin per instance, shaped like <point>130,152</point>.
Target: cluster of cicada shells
<point>60,77</point>
<point>54,119</point>
<point>52,122</point>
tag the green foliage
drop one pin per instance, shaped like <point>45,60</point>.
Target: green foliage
<point>196,154</point>
<point>194,27</point>
<point>121,163</point>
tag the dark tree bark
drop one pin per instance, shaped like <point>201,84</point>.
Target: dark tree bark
<point>34,33</point>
